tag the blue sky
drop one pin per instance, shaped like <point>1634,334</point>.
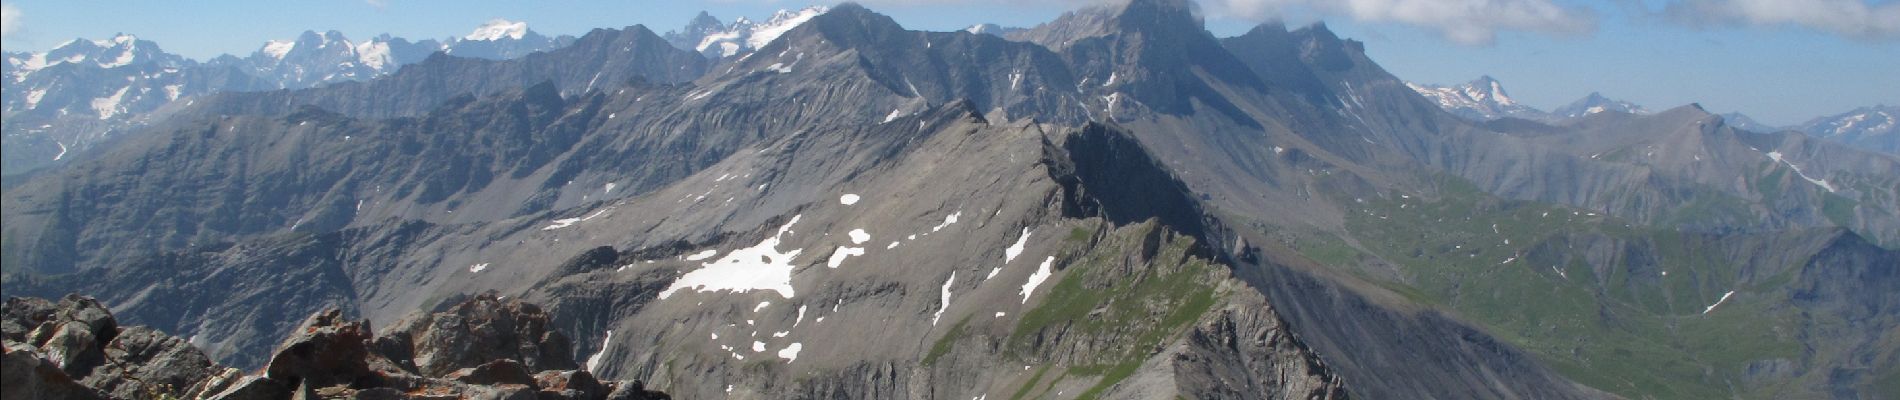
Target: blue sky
<point>1781,61</point>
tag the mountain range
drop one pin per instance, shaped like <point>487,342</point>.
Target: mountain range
<point>1484,99</point>
<point>706,35</point>
<point>83,92</point>
<point>1113,204</point>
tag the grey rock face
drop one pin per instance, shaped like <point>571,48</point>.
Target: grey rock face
<point>24,375</point>
<point>328,357</point>
<point>476,331</point>
<point>1245,350</point>
<point>82,340</point>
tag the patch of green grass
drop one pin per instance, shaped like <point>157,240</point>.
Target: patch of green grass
<point>1769,185</point>
<point>1139,307</point>
<point>1078,234</point>
<point>1328,250</point>
<point>1838,209</point>
<point>1031,385</point>
<point>945,343</point>
<point>1515,268</point>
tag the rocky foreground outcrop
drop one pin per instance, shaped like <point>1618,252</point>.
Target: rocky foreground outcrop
<point>482,348</point>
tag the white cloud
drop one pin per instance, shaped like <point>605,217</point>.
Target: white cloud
<point>1474,22</point>
<point>1851,18</point>
<point>9,19</point>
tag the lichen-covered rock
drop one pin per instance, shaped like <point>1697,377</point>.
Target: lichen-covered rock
<point>24,376</point>
<point>493,373</point>
<point>570,385</point>
<point>143,362</point>
<point>326,351</point>
<point>1244,351</point>
<point>475,332</point>
<point>329,357</point>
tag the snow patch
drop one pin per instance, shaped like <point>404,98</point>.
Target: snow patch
<point>1718,302</point>
<point>946,298</point>
<point>477,268</point>
<point>561,223</point>
<point>947,221</point>
<point>781,22</point>
<point>1776,155</point>
<point>858,236</point>
<point>846,199</point>
<point>790,353</point>
<point>278,48</point>
<point>108,106</point>
<point>499,28</point>
<point>838,256</point>
<point>1014,250</point>
<point>1042,274</point>
<point>374,54</point>
<point>593,362</point>
<point>760,267</point>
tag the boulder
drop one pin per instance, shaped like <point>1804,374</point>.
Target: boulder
<point>476,331</point>
<point>327,351</point>
<point>142,362</point>
<point>25,376</point>
<point>494,373</point>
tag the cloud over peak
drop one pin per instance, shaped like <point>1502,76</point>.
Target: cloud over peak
<point>1858,19</point>
<point>1475,22</point>
<point>9,19</point>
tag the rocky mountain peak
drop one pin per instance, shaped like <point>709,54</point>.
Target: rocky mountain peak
<point>118,51</point>
<point>706,35</point>
<point>1876,128</point>
<point>1596,103</point>
<point>497,29</point>
<point>1481,99</point>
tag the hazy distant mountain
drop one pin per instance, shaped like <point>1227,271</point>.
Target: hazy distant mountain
<point>501,40</point>
<point>992,29</point>
<point>1743,122</point>
<point>1596,103</point>
<point>319,58</point>
<point>705,34</point>
<point>103,79</point>
<point>66,99</point>
<point>60,102</point>
<point>1866,127</point>
<point>1483,99</point>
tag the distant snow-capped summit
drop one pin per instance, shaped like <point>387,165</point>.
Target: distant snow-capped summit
<point>1482,99</point>
<point>1597,103</point>
<point>992,29</point>
<point>498,28</point>
<point>316,58</point>
<point>1876,128</point>
<point>1744,122</point>
<point>706,35</point>
<point>501,39</point>
<point>121,50</point>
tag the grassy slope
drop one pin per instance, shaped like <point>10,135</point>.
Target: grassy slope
<point>1509,267</point>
